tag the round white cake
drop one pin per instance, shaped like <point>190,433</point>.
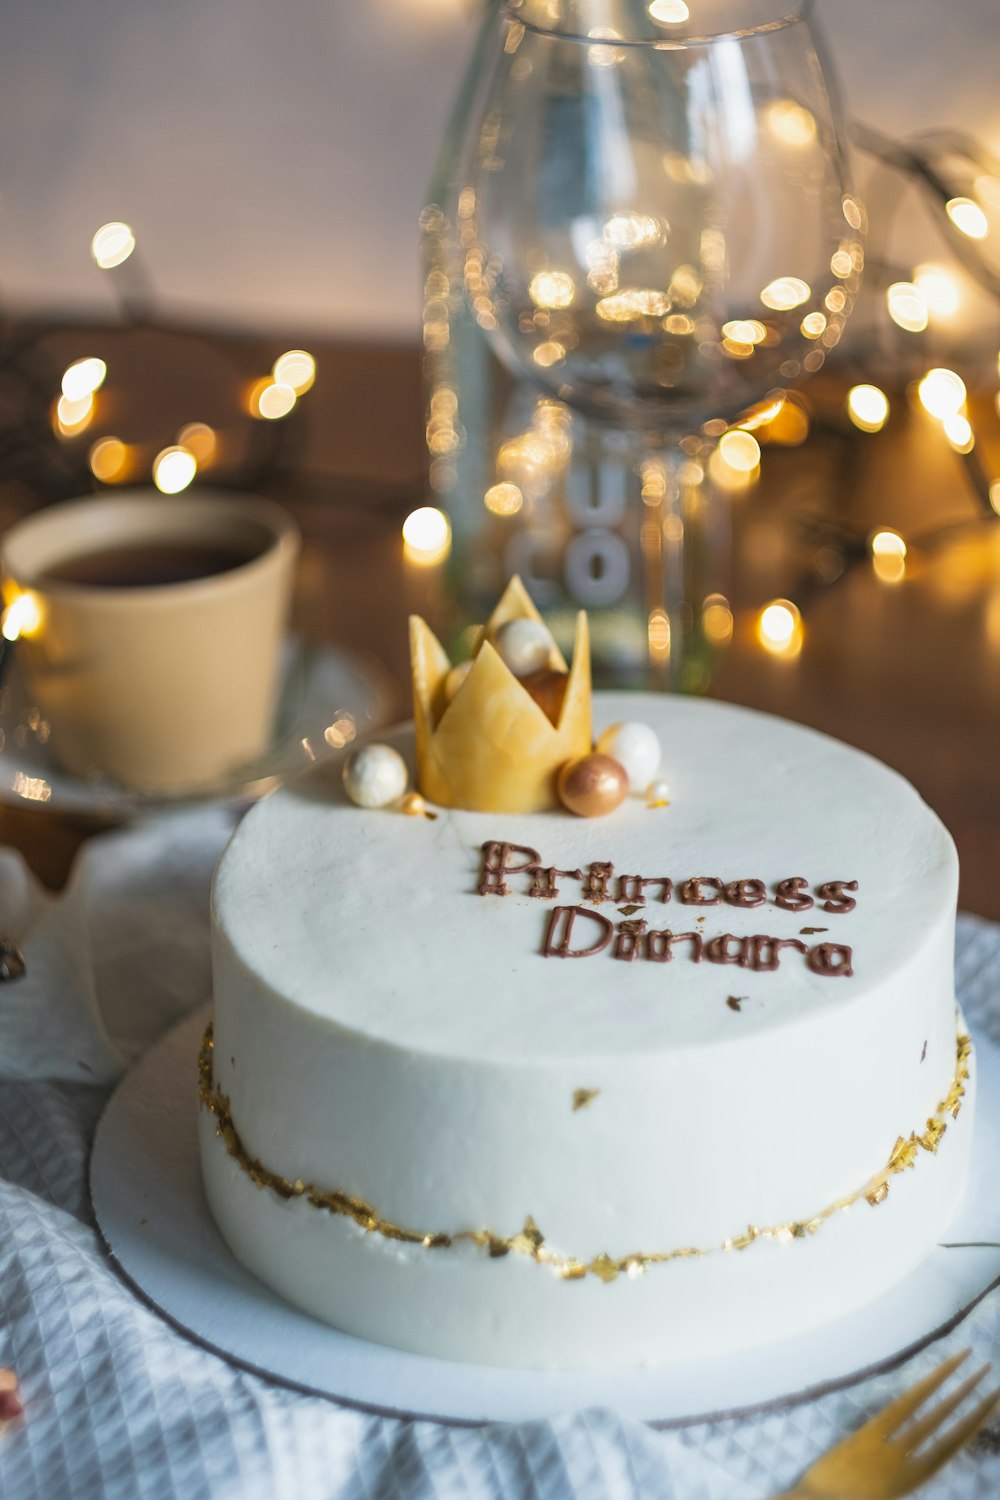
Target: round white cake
<point>540,1090</point>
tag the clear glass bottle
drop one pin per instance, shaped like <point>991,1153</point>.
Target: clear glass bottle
<point>639,227</point>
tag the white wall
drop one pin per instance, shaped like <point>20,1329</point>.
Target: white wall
<point>272,155</point>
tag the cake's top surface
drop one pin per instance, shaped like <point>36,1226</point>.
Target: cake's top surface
<point>374,921</point>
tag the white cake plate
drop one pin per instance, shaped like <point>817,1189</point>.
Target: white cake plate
<point>146,1185</point>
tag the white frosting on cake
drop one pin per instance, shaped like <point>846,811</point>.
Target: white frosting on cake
<point>385,1031</point>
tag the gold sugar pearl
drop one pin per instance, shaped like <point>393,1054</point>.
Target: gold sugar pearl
<point>455,678</point>
<point>592,785</point>
<point>548,688</point>
<point>414,805</point>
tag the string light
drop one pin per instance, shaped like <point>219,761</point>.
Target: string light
<point>968,218</point>
<point>942,393</point>
<point>552,289</point>
<point>275,401</point>
<point>745,331</point>
<point>108,459</point>
<point>22,617</point>
<point>173,470</point>
<point>296,368</point>
<point>200,439</point>
<point>426,536</point>
<point>888,551</point>
<point>633,231</point>
<point>868,407</point>
<point>504,499</point>
<point>717,619</point>
<point>938,288</point>
<point>740,451</point>
<point>72,417</point>
<point>907,306</point>
<point>626,306</point>
<point>785,292</point>
<point>958,431</point>
<point>791,124</point>
<point>669,12</point>
<point>112,245</point>
<point>83,378</point>
<point>779,628</point>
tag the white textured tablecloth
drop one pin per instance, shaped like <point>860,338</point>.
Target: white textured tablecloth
<point>118,1404</point>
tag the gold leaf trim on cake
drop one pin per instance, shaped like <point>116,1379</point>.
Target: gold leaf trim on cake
<point>529,1240</point>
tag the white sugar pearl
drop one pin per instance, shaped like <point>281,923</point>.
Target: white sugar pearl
<point>375,775</point>
<point>634,746</point>
<point>658,793</point>
<point>524,645</point>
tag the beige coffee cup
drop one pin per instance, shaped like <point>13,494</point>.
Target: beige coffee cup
<point>164,687</point>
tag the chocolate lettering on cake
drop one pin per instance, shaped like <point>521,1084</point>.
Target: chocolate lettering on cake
<point>559,933</point>
<point>660,945</point>
<point>632,888</point>
<point>576,931</point>
<point>693,891</point>
<point>628,940</point>
<point>495,866</point>
<point>792,894</point>
<point>544,883</point>
<point>833,896</point>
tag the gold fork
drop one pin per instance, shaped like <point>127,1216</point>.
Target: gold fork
<point>879,1461</point>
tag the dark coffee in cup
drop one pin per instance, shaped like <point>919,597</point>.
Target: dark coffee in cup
<point>149,564</point>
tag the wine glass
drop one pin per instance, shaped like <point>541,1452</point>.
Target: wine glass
<point>652,231</point>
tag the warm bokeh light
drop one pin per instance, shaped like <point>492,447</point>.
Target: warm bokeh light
<point>942,393</point>
<point>958,431</point>
<point>633,231</point>
<point>669,12</point>
<point>745,331</point>
<point>296,368</point>
<point>112,244</point>
<point>785,292</point>
<point>22,616</point>
<point>604,55</point>
<point>841,263</point>
<point>83,378</point>
<point>426,536</point>
<point>788,427</point>
<point>995,495</point>
<point>888,551</point>
<point>504,499</point>
<point>968,218</point>
<point>938,288</point>
<point>108,459</point>
<point>868,407</point>
<point>658,634</point>
<point>907,306</point>
<point>813,325</point>
<point>173,470</point>
<point>717,619</point>
<point>779,628</point>
<point>740,451</point>
<point>341,732</point>
<point>553,289</point>
<point>72,417</point>
<point>626,306</point>
<point>275,401</point>
<point>200,439</point>
<point>548,354</point>
<point>790,124</point>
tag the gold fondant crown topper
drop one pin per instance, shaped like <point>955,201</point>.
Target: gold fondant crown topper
<point>493,748</point>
